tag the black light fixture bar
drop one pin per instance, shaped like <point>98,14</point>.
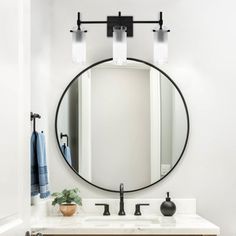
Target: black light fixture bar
<point>146,22</point>
<point>134,22</point>
<point>120,20</point>
<point>93,22</point>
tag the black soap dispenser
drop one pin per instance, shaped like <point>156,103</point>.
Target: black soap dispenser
<point>168,207</point>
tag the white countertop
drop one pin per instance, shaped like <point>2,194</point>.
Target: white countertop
<point>179,224</point>
<point>89,219</point>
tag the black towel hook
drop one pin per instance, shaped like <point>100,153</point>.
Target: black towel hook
<point>67,138</point>
<point>33,117</point>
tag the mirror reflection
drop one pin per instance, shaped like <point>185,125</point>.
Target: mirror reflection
<point>122,124</point>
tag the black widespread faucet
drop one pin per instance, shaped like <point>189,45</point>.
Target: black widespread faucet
<point>121,211</point>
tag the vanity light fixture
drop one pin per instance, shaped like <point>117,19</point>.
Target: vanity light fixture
<point>79,44</point>
<point>160,45</point>
<point>120,27</point>
<point>119,45</point>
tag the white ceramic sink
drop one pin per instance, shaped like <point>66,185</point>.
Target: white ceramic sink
<point>121,220</point>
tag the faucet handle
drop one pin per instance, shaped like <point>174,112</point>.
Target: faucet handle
<point>106,208</point>
<point>137,208</point>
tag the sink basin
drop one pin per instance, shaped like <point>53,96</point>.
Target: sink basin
<point>121,220</point>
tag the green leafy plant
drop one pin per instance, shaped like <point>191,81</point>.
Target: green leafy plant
<point>67,196</point>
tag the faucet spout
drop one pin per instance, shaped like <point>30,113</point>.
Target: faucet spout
<point>121,211</point>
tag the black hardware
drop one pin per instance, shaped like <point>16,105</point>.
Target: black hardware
<point>161,20</point>
<point>121,211</point>
<point>67,138</point>
<point>106,208</point>
<point>185,108</point>
<point>78,20</point>
<point>33,117</point>
<point>137,208</point>
<point>78,23</point>
<point>126,21</point>
<point>28,234</point>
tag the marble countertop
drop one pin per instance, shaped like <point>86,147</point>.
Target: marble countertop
<point>178,224</point>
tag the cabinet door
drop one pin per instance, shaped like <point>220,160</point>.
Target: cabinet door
<point>14,117</point>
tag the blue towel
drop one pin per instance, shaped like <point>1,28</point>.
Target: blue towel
<point>39,172</point>
<point>66,152</point>
<point>34,166</point>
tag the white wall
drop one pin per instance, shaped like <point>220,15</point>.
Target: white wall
<point>202,62</point>
<point>14,117</point>
<point>120,125</point>
<point>40,62</point>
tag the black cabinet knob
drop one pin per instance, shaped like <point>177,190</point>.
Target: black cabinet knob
<point>137,208</point>
<point>106,208</point>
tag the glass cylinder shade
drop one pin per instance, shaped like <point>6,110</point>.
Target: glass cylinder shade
<point>160,46</point>
<point>119,45</point>
<point>79,46</point>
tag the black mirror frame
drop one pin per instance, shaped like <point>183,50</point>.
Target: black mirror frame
<point>185,106</point>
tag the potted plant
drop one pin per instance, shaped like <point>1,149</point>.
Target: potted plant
<point>68,201</point>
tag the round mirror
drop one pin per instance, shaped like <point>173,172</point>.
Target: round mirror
<point>122,124</point>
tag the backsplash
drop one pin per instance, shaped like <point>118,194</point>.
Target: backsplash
<point>184,206</point>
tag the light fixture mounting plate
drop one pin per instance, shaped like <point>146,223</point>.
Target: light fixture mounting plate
<point>126,21</point>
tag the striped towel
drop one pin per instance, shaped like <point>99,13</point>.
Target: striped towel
<point>39,170</point>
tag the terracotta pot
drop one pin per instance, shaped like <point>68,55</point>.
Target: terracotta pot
<point>68,209</point>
